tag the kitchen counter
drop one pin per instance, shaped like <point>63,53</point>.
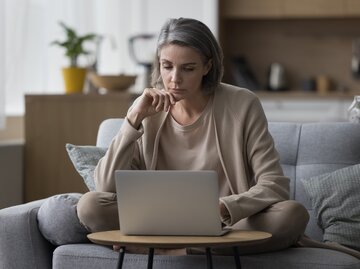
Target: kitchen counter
<point>304,95</point>
<point>301,106</point>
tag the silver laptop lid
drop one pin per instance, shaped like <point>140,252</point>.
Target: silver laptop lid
<point>168,202</point>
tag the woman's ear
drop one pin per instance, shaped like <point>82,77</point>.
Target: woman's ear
<point>207,67</point>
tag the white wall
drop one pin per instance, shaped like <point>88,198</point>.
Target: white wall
<point>145,16</point>
<point>33,66</point>
<point>148,16</point>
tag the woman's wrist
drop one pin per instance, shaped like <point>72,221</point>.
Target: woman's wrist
<point>224,212</point>
<point>134,119</point>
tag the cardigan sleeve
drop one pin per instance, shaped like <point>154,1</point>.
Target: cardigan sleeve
<point>123,153</point>
<point>267,184</point>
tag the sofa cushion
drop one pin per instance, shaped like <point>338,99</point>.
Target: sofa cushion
<point>85,159</point>
<point>336,197</point>
<point>90,256</point>
<point>58,221</point>
<point>21,243</point>
<point>286,138</point>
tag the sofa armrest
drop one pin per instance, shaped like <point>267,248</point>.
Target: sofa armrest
<point>21,243</point>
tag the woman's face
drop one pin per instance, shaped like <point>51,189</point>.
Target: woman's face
<point>182,69</point>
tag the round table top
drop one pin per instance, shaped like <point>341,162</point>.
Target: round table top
<point>232,238</point>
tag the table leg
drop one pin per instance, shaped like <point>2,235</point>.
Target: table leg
<point>150,258</point>
<point>209,258</point>
<point>237,257</point>
<point>121,257</point>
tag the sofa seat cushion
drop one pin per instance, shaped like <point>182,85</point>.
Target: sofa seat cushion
<point>88,256</point>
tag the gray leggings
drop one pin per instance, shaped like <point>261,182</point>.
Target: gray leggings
<point>286,221</point>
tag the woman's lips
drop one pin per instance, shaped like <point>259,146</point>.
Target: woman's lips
<point>176,90</point>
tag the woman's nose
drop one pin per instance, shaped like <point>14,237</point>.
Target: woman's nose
<point>176,76</point>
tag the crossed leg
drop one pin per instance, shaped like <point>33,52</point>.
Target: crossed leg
<point>286,221</point>
<point>97,211</point>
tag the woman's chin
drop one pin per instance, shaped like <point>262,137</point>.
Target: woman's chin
<point>177,96</point>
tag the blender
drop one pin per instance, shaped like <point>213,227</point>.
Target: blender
<point>142,49</point>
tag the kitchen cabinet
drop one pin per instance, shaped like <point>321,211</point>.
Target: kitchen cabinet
<point>309,38</point>
<point>51,121</point>
<point>307,48</point>
<point>250,8</point>
<point>352,7</point>
<point>314,8</point>
<point>289,8</point>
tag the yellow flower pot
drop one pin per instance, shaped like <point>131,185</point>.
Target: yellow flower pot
<point>74,78</point>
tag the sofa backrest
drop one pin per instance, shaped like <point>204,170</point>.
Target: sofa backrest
<point>107,131</point>
<point>312,149</point>
<point>306,150</point>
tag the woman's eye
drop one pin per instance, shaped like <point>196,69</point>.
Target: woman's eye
<point>167,67</point>
<point>189,69</point>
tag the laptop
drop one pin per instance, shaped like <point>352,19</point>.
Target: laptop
<point>170,202</point>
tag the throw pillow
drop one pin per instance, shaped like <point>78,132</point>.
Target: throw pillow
<point>336,197</point>
<point>58,221</point>
<point>85,159</point>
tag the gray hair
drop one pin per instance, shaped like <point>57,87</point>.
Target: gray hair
<point>195,34</point>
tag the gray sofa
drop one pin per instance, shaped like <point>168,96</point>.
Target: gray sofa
<point>306,150</point>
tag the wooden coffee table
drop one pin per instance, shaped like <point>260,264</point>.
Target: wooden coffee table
<point>232,239</point>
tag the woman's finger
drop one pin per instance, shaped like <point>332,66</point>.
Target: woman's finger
<point>172,99</point>
<point>160,104</point>
<point>160,99</point>
<point>155,98</point>
<point>166,102</point>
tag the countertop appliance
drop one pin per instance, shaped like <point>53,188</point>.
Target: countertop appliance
<point>142,49</point>
<point>276,78</point>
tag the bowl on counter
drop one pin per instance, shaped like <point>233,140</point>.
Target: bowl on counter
<point>112,82</point>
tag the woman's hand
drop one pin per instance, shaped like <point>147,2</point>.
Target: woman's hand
<point>150,102</point>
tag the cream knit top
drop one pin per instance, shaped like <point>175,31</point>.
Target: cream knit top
<point>244,146</point>
<point>192,147</point>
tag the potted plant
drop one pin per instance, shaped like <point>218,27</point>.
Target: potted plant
<point>74,76</point>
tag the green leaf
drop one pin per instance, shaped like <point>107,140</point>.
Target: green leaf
<point>73,44</point>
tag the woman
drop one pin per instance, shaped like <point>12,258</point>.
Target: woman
<point>209,126</point>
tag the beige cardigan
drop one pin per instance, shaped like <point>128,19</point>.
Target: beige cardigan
<point>247,153</point>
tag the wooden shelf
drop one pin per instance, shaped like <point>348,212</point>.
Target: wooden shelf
<point>307,48</point>
<point>310,38</point>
